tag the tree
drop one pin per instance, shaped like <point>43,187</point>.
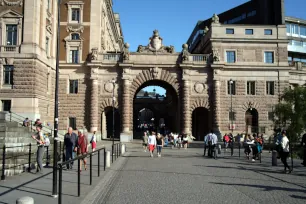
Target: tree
<point>290,113</point>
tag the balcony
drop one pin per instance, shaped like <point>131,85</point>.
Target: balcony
<point>111,57</point>
<point>199,58</point>
<point>9,48</point>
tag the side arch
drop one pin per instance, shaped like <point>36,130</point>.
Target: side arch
<point>200,103</point>
<point>108,103</point>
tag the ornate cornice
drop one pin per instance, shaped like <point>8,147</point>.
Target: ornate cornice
<point>79,29</point>
<point>11,3</point>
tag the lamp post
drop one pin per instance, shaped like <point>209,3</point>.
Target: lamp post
<point>231,92</point>
<point>114,83</point>
<point>54,177</point>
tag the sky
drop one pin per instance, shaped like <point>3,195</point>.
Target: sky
<point>176,19</point>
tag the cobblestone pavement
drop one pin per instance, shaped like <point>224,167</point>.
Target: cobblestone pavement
<point>185,176</point>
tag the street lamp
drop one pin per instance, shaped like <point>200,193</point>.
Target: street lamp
<point>54,177</point>
<point>231,92</point>
<point>114,84</point>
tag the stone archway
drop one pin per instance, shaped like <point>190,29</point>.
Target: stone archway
<point>251,116</point>
<point>106,116</point>
<point>201,118</point>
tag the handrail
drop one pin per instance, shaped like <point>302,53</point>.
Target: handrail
<point>60,167</point>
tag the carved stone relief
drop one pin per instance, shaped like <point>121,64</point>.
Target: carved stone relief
<point>75,29</point>
<point>11,3</point>
<point>199,87</point>
<point>154,71</point>
<point>108,87</point>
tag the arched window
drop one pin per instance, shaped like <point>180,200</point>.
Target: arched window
<point>75,36</point>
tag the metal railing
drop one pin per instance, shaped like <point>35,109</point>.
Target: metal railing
<point>116,151</point>
<point>79,158</point>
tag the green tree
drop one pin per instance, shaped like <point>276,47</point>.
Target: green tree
<point>290,113</point>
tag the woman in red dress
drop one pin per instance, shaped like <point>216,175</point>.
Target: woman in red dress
<point>82,148</point>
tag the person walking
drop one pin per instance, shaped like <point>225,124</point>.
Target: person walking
<point>303,143</point>
<point>70,143</point>
<point>145,141</point>
<point>159,143</point>
<point>93,141</point>
<point>152,143</point>
<point>284,152</point>
<point>82,148</point>
<point>40,148</point>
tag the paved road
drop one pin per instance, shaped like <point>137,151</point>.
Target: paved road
<point>185,176</point>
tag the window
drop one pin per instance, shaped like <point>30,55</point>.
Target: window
<point>73,86</point>
<point>288,28</point>
<point>6,105</point>
<point>75,36</point>
<point>295,29</point>
<point>8,74</point>
<point>249,31</point>
<point>74,56</point>
<point>269,57</point>
<point>297,43</point>
<point>303,30</point>
<point>271,116</point>
<point>11,34</point>
<point>230,56</point>
<point>268,31</point>
<point>72,123</point>
<point>251,88</point>
<point>75,14</point>
<point>47,46</point>
<point>229,31</point>
<point>270,88</point>
<point>231,116</point>
<point>231,88</point>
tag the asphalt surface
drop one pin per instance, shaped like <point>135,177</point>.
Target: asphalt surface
<point>185,176</point>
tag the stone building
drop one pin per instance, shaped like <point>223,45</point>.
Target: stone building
<point>27,58</point>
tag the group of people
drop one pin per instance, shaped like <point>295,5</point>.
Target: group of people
<point>210,143</point>
<point>253,144</point>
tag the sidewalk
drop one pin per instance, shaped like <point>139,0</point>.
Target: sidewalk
<point>39,186</point>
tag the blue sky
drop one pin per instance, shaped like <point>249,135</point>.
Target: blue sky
<point>175,19</point>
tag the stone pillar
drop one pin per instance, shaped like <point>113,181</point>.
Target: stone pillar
<point>94,100</point>
<point>126,103</point>
<point>186,116</point>
<point>216,105</point>
<point>103,126</point>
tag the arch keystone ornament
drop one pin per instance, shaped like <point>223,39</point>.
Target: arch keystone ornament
<point>154,71</point>
<point>108,87</point>
<point>199,87</point>
<point>201,102</point>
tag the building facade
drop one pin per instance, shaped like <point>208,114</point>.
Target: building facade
<point>27,58</point>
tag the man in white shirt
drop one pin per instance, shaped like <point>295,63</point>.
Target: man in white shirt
<point>212,141</point>
<point>152,143</point>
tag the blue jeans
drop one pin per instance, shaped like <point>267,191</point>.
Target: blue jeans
<point>69,155</point>
<point>159,148</point>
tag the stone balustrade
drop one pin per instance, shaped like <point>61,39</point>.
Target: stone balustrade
<point>9,48</point>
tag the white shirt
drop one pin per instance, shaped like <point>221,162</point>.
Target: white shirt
<point>152,140</point>
<point>285,144</point>
<point>93,138</point>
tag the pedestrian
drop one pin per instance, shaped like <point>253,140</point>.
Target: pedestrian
<point>152,143</point>
<point>40,148</point>
<point>214,143</point>
<point>231,143</point>
<point>303,143</point>
<point>284,151</point>
<point>185,141</point>
<point>82,148</point>
<point>205,144</point>
<point>93,141</point>
<point>70,143</point>
<point>145,141</point>
<point>159,143</point>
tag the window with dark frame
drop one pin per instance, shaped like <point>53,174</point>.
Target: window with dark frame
<point>74,56</point>
<point>269,57</point>
<point>231,88</point>
<point>249,31</point>
<point>11,34</point>
<point>8,72</point>
<point>268,31</point>
<point>232,116</point>
<point>75,36</point>
<point>230,56</point>
<point>251,89</point>
<point>73,86</point>
<point>75,14</point>
<point>270,87</point>
<point>72,123</point>
<point>230,31</point>
<point>6,105</point>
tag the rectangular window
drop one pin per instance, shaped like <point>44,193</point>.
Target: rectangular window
<point>268,31</point>
<point>303,31</point>
<point>251,89</point>
<point>271,116</point>
<point>72,123</point>
<point>75,14</point>
<point>249,31</point>
<point>288,28</point>
<point>231,87</point>
<point>6,105</point>
<point>230,31</point>
<point>232,116</point>
<point>74,56</point>
<point>73,86</point>
<point>269,57</point>
<point>295,29</point>
<point>11,34</point>
<point>8,74</point>
<point>270,87</point>
<point>297,43</point>
<point>47,46</point>
<point>230,56</point>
